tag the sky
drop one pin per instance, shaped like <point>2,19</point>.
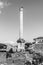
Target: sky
<point>33,20</point>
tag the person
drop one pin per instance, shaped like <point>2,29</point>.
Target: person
<point>27,63</point>
<point>11,51</point>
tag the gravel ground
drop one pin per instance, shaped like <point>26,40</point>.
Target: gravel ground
<point>16,59</point>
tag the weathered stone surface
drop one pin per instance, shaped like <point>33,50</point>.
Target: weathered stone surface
<point>38,48</point>
<point>2,57</point>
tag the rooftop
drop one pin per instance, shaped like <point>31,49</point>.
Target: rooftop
<point>38,38</point>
